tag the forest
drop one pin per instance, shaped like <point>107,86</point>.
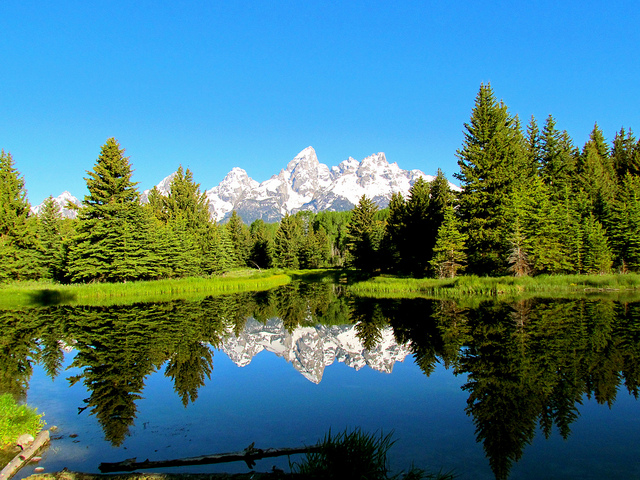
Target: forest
<point>530,203</point>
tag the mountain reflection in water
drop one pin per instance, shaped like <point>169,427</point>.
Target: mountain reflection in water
<point>528,364</point>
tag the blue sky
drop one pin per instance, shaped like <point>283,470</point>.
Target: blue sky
<point>216,84</point>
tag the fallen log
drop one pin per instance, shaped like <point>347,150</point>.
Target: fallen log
<point>248,455</point>
<point>23,457</point>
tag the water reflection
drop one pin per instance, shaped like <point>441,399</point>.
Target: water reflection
<point>528,364</point>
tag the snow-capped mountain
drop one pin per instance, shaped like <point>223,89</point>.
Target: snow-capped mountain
<point>311,349</point>
<point>305,184</point>
<point>62,200</point>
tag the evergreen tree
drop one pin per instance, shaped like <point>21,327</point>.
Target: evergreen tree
<point>597,253</point>
<point>51,239</point>
<point>597,176</point>
<point>419,229</point>
<point>449,255</point>
<point>19,247</point>
<point>287,242</point>
<point>625,225</point>
<point>112,241</point>
<point>261,254</point>
<point>240,238</point>
<point>492,160</point>
<point>393,240</point>
<point>364,234</point>
<point>625,154</point>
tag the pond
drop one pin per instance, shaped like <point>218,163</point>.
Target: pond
<point>533,388</point>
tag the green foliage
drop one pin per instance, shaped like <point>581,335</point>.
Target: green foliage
<point>625,225</point>
<point>449,255</point>
<point>364,234</point>
<point>16,420</point>
<point>492,161</point>
<point>112,232</point>
<point>19,246</point>
<point>287,242</point>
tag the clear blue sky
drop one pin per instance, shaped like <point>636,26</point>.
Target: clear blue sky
<point>216,84</point>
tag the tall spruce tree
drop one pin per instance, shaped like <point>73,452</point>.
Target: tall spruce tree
<point>364,234</point>
<point>625,225</point>
<point>19,247</point>
<point>597,176</point>
<point>625,154</point>
<point>449,257</point>
<point>112,241</point>
<point>492,160</point>
<point>51,238</point>
<point>287,242</point>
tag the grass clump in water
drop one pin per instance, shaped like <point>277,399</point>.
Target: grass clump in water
<point>356,455</point>
<point>16,420</point>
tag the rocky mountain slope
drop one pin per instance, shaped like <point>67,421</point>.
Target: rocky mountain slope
<point>305,184</point>
<point>311,349</point>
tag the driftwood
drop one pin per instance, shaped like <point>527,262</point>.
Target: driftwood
<point>23,457</point>
<point>248,455</point>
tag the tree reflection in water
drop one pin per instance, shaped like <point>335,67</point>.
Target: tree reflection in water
<point>528,363</point>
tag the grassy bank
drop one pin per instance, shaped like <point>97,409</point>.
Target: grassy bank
<point>15,420</point>
<point>25,294</point>
<point>495,286</point>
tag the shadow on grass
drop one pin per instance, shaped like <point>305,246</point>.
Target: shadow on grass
<point>48,297</point>
<point>338,275</point>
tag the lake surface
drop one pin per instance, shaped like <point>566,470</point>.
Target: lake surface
<point>534,388</point>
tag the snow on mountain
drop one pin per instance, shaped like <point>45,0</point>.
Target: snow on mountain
<point>163,187</point>
<point>62,200</point>
<point>311,349</point>
<point>307,184</point>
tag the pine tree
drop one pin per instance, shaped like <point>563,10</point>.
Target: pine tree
<point>51,238</point>
<point>492,160</point>
<point>625,154</point>
<point>597,253</point>
<point>597,176</point>
<point>112,242</point>
<point>625,225</point>
<point>240,237</point>
<point>449,257</point>
<point>261,254</point>
<point>20,250</point>
<point>393,239</point>
<point>419,229</point>
<point>364,234</point>
<point>287,242</point>
<point>558,159</point>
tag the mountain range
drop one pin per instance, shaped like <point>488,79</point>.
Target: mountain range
<point>311,349</point>
<point>305,184</point>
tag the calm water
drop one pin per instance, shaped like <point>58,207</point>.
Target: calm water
<point>531,389</point>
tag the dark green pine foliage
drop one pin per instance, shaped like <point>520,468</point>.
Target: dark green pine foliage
<point>449,257</point>
<point>364,234</point>
<point>287,242</point>
<point>20,250</point>
<point>335,226</point>
<point>112,241</point>
<point>261,254</point>
<point>492,160</point>
<point>533,145</point>
<point>597,176</point>
<point>419,231</point>
<point>597,255</point>
<point>393,240</point>
<point>240,238</point>
<point>624,231</point>
<point>558,160</point>
<point>625,154</point>
<point>51,238</point>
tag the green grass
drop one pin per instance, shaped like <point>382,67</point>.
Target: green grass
<point>26,294</point>
<point>496,286</point>
<point>16,420</point>
<point>356,455</point>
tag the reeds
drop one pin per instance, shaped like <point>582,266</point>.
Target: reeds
<point>494,286</point>
<point>43,293</point>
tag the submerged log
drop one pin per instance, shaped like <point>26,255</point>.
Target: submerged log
<point>248,455</point>
<point>23,457</point>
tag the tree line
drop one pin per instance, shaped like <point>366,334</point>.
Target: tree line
<point>530,203</point>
